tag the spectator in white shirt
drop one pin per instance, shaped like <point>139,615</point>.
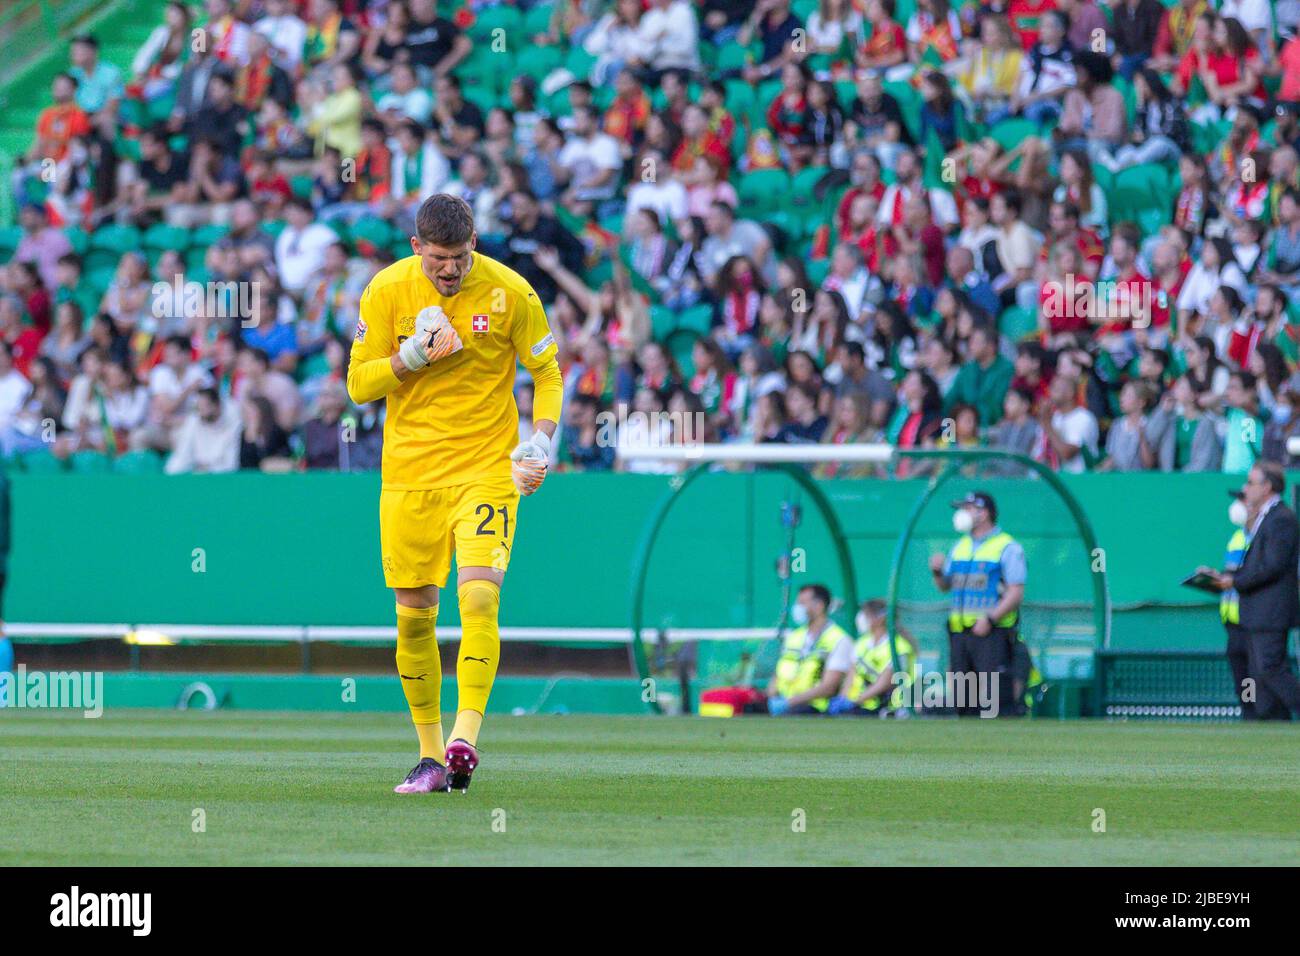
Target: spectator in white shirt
<point>592,161</point>
<point>729,237</point>
<point>208,440</point>
<point>668,35</point>
<point>173,385</point>
<point>14,387</point>
<point>656,188</point>
<point>1070,430</point>
<point>645,427</point>
<point>407,100</point>
<point>286,32</point>
<point>300,247</point>
<point>419,168</point>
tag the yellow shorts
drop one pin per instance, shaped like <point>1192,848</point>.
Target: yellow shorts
<point>419,530</point>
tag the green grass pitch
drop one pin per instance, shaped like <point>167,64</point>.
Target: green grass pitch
<point>315,789</point>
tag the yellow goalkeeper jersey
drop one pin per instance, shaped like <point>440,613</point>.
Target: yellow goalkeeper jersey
<point>455,421</point>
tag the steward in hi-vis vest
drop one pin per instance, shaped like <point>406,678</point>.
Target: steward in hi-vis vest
<point>870,688</point>
<point>815,657</point>
<point>984,576</point>
<point>1230,609</point>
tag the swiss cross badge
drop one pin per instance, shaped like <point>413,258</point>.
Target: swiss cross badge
<point>479,324</point>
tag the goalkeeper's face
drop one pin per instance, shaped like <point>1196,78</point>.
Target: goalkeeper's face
<point>446,266</point>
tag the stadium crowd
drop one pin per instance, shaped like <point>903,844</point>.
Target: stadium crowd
<point>1064,229</point>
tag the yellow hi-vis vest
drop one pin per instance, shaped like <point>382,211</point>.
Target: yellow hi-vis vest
<point>796,671</point>
<point>1229,600</point>
<point>869,662</point>
<point>977,580</point>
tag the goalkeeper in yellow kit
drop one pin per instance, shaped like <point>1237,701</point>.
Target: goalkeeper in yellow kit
<point>440,333</point>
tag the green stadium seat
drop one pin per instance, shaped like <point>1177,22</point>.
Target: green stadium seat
<point>378,232</point>
<point>484,70</point>
<point>538,61</point>
<point>91,463</point>
<point>497,17</point>
<point>10,236</point>
<point>205,236</point>
<point>803,184</point>
<point>1010,132</point>
<point>733,56</point>
<point>100,278</point>
<point>846,91</point>
<point>116,239</point>
<point>579,62</point>
<point>538,20</point>
<point>139,463</point>
<point>763,189</point>
<point>663,321</point>
<point>818,269</point>
<point>1017,324</point>
<point>681,344</point>
<point>698,319</point>
<point>40,463</point>
<point>764,94</point>
<point>163,236</point>
<point>109,243</point>
<point>485,98</point>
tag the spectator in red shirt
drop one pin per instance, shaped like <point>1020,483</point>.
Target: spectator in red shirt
<point>626,117</point>
<point>918,235</point>
<point>1174,38</point>
<point>1032,372</point>
<point>22,339</point>
<point>1169,268</point>
<point>1024,16</point>
<point>1127,296</point>
<point>1064,227</point>
<point>886,44</point>
<point>24,280</point>
<point>698,140</point>
<point>788,116</point>
<point>864,177</point>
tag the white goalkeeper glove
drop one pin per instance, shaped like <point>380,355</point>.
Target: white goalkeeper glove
<point>433,338</point>
<point>529,461</point>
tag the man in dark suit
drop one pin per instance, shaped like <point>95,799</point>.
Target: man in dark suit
<point>1269,589</point>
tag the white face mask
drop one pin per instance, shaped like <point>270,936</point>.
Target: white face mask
<point>962,521</point>
<point>862,622</point>
<point>799,614</point>
<point>1237,513</point>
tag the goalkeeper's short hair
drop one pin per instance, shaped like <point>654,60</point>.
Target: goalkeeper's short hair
<point>444,220</point>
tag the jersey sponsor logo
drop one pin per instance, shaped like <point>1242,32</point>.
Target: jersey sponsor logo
<point>543,345</point>
<point>480,324</point>
<point>361,330</point>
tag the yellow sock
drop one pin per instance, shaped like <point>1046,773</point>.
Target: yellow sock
<point>420,670</point>
<point>477,659</point>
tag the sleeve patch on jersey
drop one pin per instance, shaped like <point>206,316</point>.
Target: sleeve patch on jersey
<point>361,330</point>
<point>543,345</point>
